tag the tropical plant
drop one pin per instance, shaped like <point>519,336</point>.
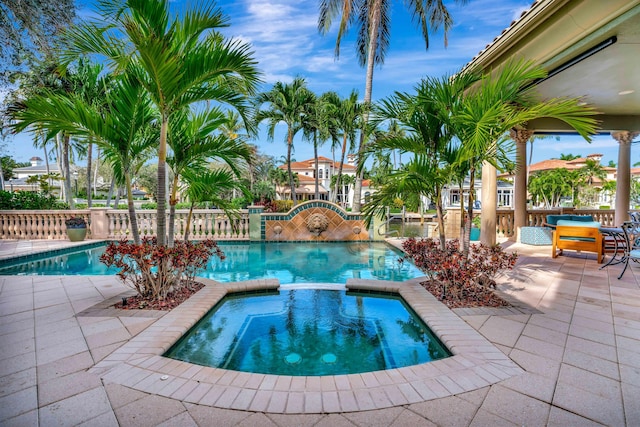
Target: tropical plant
<point>286,103</point>
<point>499,103</point>
<point>373,19</point>
<point>347,116</point>
<point>179,60</point>
<point>459,280</point>
<point>423,131</point>
<point>122,127</point>
<point>193,144</point>
<point>550,186</point>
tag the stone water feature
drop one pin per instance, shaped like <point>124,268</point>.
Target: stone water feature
<point>314,220</point>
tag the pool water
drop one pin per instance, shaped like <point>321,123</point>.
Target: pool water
<point>309,332</point>
<point>296,262</point>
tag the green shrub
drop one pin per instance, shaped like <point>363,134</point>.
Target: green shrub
<point>21,200</point>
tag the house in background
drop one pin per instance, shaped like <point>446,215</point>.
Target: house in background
<point>326,169</point>
<point>21,182</point>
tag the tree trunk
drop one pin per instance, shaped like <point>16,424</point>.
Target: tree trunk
<point>89,159</point>
<point>467,224</point>
<point>315,156</point>
<point>161,231</point>
<point>291,182</point>
<point>95,173</point>
<point>188,225</point>
<point>172,211</point>
<point>65,171</point>
<point>373,45</point>
<point>110,193</point>
<point>440,219</point>
<point>339,177</point>
<point>133,221</point>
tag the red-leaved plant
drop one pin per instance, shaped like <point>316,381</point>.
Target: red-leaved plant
<point>152,270</point>
<point>457,280</point>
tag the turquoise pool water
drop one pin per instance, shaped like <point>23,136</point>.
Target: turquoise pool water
<point>297,262</point>
<point>309,332</point>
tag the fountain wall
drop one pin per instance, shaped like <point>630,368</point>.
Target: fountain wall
<point>314,220</point>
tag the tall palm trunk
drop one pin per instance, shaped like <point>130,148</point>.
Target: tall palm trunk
<point>339,178</point>
<point>110,193</point>
<point>469,219</point>
<point>161,219</point>
<point>89,158</point>
<point>373,46</point>
<point>173,200</point>
<point>95,173</point>
<point>315,156</point>
<point>133,221</point>
<point>65,171</point>
<point>440,219</point>
<point>291,183</point>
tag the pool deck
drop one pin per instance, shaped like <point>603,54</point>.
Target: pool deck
<point>567,354</point>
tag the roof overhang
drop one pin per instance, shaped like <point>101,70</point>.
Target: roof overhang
<point>591,50</point>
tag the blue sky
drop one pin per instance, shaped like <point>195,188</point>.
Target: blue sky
<point>286,43</point>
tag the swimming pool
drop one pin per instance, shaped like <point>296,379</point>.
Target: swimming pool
<point>289,262</point>
<point>309,332</point>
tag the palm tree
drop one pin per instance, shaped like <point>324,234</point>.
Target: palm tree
<point>122,127</point>
<point>287,103</point>
<point>373,19</point>
<point>499,103</point>
<point>421,128</point>
<point>347,114</point>
<point>193,144</point>
<point>178,60</point>
<point>208,186</point>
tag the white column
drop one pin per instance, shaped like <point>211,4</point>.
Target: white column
<point>489,194</point>
<point>520,136</point>
<point>623,177</point>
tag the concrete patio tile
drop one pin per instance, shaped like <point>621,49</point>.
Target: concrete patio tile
<point>120,396</point>
<point>18,403</point>
<point>205,415</point>
<point>17,363</point>
<point>591,363</point>
<point>149,411</point>
<point>593,348</point>
<point>377,418</point>
<point>532,385</point>
<point>17,381</point>
<point>18,348</point>
<point>545,334</point>
<point>589,381</point>
<point>484,418</point>
<point>589,405</point>
<point>63,387</point>
<point>60,351</point>
<point>592,335</point>
<point>560,418</point>
<point>76,409</point>
<point>307,420</point>
<point>516,407</point>
<point>331,420</point>
<point>539,347</point>
<point>630,375</point>
<point>108,419</point>
<point>631,402</point>
<point>182,420</point>
<point>501,330</point>
<point>536,363</point>
<point>449,411</point>
<point>65,366</point>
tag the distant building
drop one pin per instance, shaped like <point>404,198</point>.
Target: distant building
<point>38,168</point>
<point>326,169</point>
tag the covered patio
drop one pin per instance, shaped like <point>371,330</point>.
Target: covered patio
<point>590,50</point>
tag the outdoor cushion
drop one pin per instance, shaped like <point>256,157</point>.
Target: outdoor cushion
<point>572,223</point>
<point>553,219</point>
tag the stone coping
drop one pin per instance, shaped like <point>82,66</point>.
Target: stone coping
<point>139,363</point>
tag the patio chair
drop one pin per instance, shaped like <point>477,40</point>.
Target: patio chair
<point>631,231</point>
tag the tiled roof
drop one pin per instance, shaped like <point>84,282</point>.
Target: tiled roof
<point>309,164</point>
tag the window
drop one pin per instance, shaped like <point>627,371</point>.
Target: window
<point>320,173</point>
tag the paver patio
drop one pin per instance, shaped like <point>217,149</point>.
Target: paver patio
<point>577,342</point>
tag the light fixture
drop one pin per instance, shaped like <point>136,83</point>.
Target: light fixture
<point>626,92</point>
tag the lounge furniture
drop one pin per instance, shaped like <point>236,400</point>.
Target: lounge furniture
<point>631,231</point>
<point>578,236</point>
<point>552,220</point>
<point>537,236</point>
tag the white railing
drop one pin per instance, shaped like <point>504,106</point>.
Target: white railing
<point>205,224</point>
<point>40,224</point>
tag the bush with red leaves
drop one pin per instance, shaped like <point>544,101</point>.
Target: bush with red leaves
<point>457,280</point>
<point>152,270</point>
